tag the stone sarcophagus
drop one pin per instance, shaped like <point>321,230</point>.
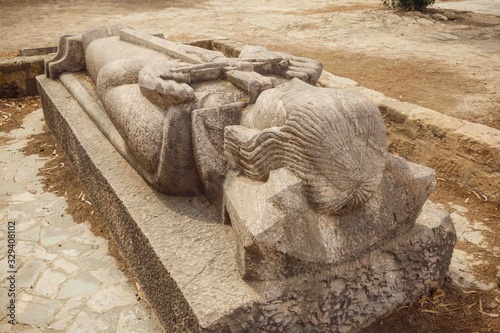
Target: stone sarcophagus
<point>281,209</point>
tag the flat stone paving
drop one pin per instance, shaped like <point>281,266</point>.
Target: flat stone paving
<point>66,280</point>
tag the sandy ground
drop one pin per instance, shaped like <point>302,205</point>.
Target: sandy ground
<point>451,66</point>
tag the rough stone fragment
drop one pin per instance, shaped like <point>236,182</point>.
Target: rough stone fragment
<point>439,17</point>
<point>279,235</point>
<point>70,57</point>
<point>208,137</point>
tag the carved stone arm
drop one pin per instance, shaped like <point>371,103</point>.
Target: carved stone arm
<point>288,66</point>
<point>163,85</point>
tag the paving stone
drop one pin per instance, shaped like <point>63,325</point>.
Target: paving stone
<point>79,285</point>
<point>110,297</point>
<point>468,230</point>
<point>72,249</point>
<point>68,307</point>
<point>32,330</point>
<point>62,324</point>
<point>84,235</point>
<point>4,298</point>
<point>26,224</point>
<point>56,220</point>
<point>111,273</point>
<point>94,323</point>
<point>49,282</point>
<point>12,166</point>
<point>34,310</point>
<point>32,234</point>
<point>136,320</point>
<point>52,235</point>
<point>22,198</point>
<point>65,265</point>
<point>29,272</point>
<point>25,173</point>
<point>43,269</point>
<point>30,209</point>
<point>5,327</point>
<point>32,249</point>
<point>461,270</point>
<point>97,260</point>
<point>17,215</point>
<point>57,205</point>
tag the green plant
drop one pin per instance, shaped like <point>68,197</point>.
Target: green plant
<point>419,5</point>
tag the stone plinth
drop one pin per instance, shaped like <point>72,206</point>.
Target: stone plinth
<point>187,264</point>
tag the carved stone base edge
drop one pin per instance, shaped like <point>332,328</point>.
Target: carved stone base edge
<point>186,265</point>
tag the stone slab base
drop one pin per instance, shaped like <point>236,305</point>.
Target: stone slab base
<point>186,263</point>
<point>17,75</point>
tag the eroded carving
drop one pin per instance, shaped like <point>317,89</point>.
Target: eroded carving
<point>150,86</point>
<point>300,172</point>
<point>333,140</point>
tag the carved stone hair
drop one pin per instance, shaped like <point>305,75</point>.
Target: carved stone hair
<point>333,140</point>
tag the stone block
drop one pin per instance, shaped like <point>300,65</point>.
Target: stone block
<point>324,230</point>
<point>17,76</point>
<point>178,254</point>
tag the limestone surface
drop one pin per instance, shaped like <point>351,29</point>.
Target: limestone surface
<point>325,231</point>
<point>150,86</point>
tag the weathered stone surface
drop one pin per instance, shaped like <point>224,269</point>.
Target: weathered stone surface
<point>17,76</point>
<point>150,86</point>
<point>279,235</point>
<point>49,282</point>
<point>29,272</point>
<point>37,285</point>
<point>199,275</point>
<point>70,57</point>
<point>78,285</point>
<point>111,297</point>
<point>208,142</point>
<point>34,310</point>
<point>326,228</point>
<point>332,139</point>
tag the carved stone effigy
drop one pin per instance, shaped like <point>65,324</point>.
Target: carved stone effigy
<point>328,231</point>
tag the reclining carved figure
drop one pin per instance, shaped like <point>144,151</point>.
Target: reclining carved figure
<point>149,88</point>
<point>301,172</point>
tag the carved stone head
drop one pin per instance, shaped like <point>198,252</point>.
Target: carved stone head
<point>333,140</point>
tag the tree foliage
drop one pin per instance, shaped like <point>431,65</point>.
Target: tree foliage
<point>419,5</point>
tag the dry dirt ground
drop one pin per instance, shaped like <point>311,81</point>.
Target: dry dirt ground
<point>450,66</point>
